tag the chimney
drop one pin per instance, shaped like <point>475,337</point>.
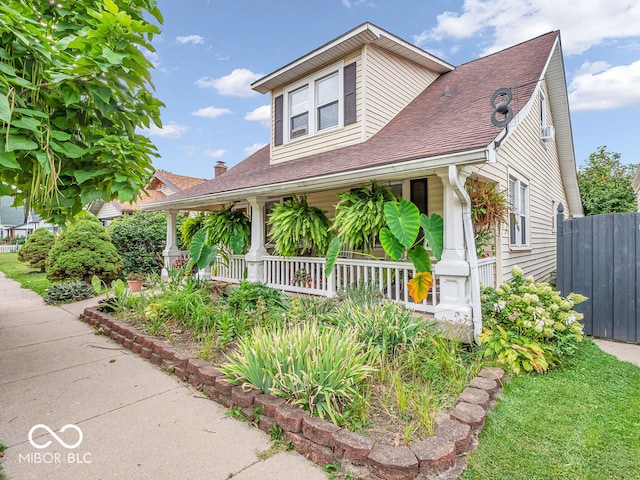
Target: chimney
<point>219,169</point>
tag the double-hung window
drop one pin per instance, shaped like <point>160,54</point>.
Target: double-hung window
<point>315,105</point>
<point>519,216</point>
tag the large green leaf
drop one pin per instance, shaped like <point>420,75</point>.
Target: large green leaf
<point>390,244</point>
<point>8,160</point>
<point>237,244</point>
<point>420,258</point>
<point>202,254</point>
<point>20,143</point>
<point>433,227</point>
<point>5,109</point>
<point>332,254</point>
<point>403,219</point>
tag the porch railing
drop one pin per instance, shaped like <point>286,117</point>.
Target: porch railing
<point>231,270</point>
<point>308,275</point>
<point>487,271</point>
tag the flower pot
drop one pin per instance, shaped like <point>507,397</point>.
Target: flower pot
<point>135,285</point>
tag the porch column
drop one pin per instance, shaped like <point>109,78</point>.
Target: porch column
<point>171,251</point>
<point>453,268</point>
<point>255,264</point>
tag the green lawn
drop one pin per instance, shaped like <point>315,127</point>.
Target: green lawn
<point>22,272</point>
<point>581,422</point>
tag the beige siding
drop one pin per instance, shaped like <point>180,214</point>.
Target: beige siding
<point>525,154</point>
<point>349,135</point>
<point>435,195</point>
<point>385,84</point>
<point>391,84</point>
<point>108,210</point>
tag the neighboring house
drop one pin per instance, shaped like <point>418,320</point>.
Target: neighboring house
<point>635,183</point>
<point>163,184</point>
<point>369,105</point>
<point>15,221</point>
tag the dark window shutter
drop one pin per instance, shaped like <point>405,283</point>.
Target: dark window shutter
<point>277,124</point>
<point>350,93</point>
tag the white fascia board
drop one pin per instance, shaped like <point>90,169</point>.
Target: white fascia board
<point>332,181</point>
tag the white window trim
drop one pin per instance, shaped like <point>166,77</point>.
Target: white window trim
<point>520,181</point>
<point>311,82</point>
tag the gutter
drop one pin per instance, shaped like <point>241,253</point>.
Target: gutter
<point>463,196</point>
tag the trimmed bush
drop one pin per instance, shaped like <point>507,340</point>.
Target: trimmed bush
<point>82,251</point>
<point>140,239</point>
<point>36,249</point>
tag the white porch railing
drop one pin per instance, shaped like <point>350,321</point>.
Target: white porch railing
<point>487,271</point>
<point>232,270</point>
<point>297,274</point>
<point>389,277</point>
<point>9,248</point>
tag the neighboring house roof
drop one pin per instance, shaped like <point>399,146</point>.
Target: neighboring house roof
<point>11,216</point>
<point>450,117</point>
<point>161,185</point>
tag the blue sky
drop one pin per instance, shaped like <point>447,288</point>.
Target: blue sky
<point>211,50</point>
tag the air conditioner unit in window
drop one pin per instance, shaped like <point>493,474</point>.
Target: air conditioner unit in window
<point>547,133</point>
<point>298,132</point>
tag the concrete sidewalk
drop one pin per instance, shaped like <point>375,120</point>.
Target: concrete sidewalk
<point>135,421</point>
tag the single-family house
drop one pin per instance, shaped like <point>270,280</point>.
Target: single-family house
<point>17,221</point>
<point>369,105</point>
<point>162,184</point>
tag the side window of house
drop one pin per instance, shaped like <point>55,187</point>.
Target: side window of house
<point>519,216</point>
<point>419,195</point>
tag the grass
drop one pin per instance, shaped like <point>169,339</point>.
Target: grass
<point>579,422</point>
<point>21,272</point>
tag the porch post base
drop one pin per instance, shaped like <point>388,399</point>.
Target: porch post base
<point>169,255</point>
<point>460,314</point>
<point>255,270</point>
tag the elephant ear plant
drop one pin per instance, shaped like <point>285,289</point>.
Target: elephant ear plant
<point>402,238</point>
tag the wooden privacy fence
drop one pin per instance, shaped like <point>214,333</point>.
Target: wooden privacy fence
<point>599,257</point>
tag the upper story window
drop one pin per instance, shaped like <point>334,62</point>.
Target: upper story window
<point>519,216</point>
<point>322,102</point>
<point>314,106</point>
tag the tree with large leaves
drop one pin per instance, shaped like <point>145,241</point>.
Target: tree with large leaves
<point>75,87</point>
<point>605,184</point>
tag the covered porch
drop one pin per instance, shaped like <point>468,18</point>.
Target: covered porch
<point>454,295</point>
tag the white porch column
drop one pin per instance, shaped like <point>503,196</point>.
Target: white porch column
<point>255,264</point>
<point>171,251</point>
<point>453,268</point>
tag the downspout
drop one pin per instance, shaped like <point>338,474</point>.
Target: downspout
<point>469,241</point>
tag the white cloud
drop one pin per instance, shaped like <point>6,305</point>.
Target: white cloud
<point>214,153</point>
<point>261,114</point>
<point>507,22</point>
<point>195,39</point>
<point>251,149</point>
<point>211,112</point>
<point>169,130</point>
<point>598,86</point>
<point>357,3</point>
<point>236,84</point>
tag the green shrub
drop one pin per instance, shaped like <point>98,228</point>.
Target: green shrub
<point>529,326</point>
<point>36,249</point>
<point>246,297</point>
<point>68,292</point>
<point>323,369</point>
<point>389,326</point>
<point>82,251</point>
<point>140,239</point>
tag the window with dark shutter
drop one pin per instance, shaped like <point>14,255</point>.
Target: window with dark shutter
<point>278,117</point>
<point>350,93</point>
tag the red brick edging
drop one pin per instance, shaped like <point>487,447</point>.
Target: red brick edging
<point>317,439</point>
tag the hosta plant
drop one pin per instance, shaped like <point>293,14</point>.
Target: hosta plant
<point>529,326</point>
<point>323,369</point>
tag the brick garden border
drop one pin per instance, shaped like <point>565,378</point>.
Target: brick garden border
<point>317,439</point>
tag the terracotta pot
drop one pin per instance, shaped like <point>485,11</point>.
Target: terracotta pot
<point>134,285</point>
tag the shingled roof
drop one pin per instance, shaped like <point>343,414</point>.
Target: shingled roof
<point>450,116</point>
